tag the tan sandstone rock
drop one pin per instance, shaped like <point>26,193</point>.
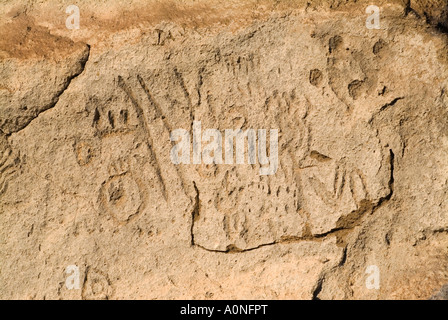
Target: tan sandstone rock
<point>86,176</point>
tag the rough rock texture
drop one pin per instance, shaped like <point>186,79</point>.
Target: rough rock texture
<point>86,177</point>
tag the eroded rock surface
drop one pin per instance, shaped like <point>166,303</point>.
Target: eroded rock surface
<point>86,177</point>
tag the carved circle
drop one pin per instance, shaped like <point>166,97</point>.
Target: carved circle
<point>97,286</point>
<point>122,197</point>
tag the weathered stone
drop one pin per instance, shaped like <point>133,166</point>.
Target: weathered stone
<point>87,178</point>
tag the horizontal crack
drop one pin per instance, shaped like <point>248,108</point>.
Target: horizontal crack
<point>390,104</point>
<point>344,225</point>
<point>284,240</point>
<point>384,107</point>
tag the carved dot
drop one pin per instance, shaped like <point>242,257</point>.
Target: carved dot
<point>354,89</point>
<point>315,77</point>
<point>124,116</point>
<point>379,45</point>
<point>116,192</point>
<point>334,43</point>
<point>111,119</point>
<point>85,152</point>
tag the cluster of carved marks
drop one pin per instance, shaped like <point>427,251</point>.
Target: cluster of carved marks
<point>96,286</point>
<point>241,65</point>
<point>239,209</point>
<point>245,211</point>
<point>9,163</point>
<point>313,191</point>
<point>131,126</point>
<point>110,117</point>
<point>349,76</point>
<point>316,185</point>
<point>331,191</point>
<point>336,186</point>
<point>263,209</point>
<point>156,128</point>
<point>165,33</point>
<point>127,125</point>
<point>122,194</point>
<point>344,179</point>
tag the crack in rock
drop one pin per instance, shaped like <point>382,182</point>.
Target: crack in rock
<point>83,61</point>
<point>344,225</point>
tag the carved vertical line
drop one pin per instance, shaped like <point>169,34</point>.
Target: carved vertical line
<point>145,128</point>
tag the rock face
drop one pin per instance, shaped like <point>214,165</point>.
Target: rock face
<point>435,11</point>
<point>348,172</point>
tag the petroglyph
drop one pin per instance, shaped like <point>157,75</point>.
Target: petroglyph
<point>123,196</point>
<point>9,162</point>
<point>86,176</point>
<point>86,151</point>
<point>96,286</point>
